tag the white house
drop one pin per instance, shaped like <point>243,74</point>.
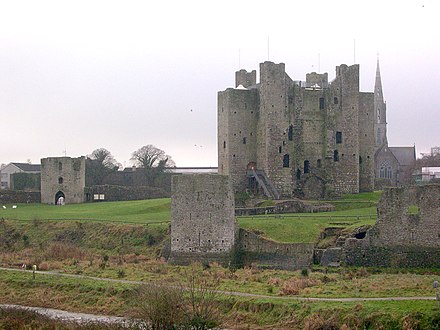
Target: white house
<point>11,168</point>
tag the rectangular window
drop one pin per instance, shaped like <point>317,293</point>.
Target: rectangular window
<point>321,103</point>
<point>338,137</point>
<point>244,140</point>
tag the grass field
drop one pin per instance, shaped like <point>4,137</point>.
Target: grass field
<point>143,211</point>
<point>352,211</point>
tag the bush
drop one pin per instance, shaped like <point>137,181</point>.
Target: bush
<point>161,306</point>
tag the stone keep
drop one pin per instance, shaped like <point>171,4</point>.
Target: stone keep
<point>62,177</point>
<point>310,137</point>
<point>203,226</point>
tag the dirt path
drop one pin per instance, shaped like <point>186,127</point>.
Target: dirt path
<point>232,293</point>
<point>58,314</point>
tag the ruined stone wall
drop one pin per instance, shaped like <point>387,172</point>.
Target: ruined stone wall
<point>245,78</point>
<point>366,142</point>
<point>63,175</point>
<point>269,254</point>
<point>237,136</point>
<point>406,232</point>
<point>203,224</point>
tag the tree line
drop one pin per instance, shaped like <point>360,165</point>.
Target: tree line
<point>150,160</point>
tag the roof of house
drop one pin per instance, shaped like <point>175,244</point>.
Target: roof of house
<point>404,155</point>
<point>26,167</point>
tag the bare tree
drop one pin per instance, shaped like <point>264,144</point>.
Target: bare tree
<point>153,160</point>
<point>98,165</point>
<point>150,156</point>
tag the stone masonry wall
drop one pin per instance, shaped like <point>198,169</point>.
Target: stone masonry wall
<point>269,254</point>
<point>123,193</point>
<point>62,175</point>
<point>203,224</point>
<point>407,231</point>
<point>16,196</point>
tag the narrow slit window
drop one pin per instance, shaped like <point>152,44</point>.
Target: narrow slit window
<point>306,166</point>
<point>290,133</point>
<point>318,163</point>
<point>286,160</point>
<point>336,156</point>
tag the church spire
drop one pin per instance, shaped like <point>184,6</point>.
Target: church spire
<point>378,83</point>
<point>380,110</point>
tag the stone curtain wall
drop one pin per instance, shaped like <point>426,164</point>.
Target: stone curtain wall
<point>407,231</point>
<point>12,197</point>
<point>203,224</point>
<point>122,193</point>
<point>269,254</point>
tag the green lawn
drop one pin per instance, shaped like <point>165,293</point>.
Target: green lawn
<point>352,211</point>
<point>305,227</point>
<point>143,211</point>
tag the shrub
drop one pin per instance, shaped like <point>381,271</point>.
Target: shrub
<point>294,286</point>
<point>305,272</point>
<point>161,306</point>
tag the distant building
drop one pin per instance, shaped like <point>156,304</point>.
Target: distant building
<point>435,151</point>
<point>394,165</point>
<point>11,168</point>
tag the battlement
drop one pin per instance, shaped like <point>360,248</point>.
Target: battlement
<point>246,79</point>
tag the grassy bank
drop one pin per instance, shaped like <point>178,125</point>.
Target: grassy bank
<point>236,312</point>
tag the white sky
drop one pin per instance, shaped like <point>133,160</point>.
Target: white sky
<point>80,75</point>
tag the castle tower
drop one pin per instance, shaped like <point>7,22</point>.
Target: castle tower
<point>63,180</point>
<point>380,111</point>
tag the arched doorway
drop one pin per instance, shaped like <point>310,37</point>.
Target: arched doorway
<point>60,198</point>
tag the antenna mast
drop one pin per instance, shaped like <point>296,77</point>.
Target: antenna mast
<point>268,58</point>
<point>354,51</point>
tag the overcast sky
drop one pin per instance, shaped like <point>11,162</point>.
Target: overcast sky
<point>79,75</point>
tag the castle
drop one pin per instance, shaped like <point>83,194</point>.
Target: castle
<point>311,139</point>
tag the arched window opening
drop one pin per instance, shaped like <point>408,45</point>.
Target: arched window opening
<point>385,170</point>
